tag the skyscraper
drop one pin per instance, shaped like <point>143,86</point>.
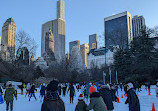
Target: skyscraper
<point>72,44</point>
<point>8,40</point>
<point>57,27</point>
<point>118,30</point>
<point>92,41</point>
<point>84,49</point>
<point>61,9</point>
<point>138,25</point>
<point>0,43</point>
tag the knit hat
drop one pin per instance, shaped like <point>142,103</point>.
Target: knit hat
<point>92,89</point>
<point>129,86</point>
<point>9,83</point>
<point>80,97</point>
<point>52,86</point>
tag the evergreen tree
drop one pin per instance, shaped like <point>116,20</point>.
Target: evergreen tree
<point>38,73</point>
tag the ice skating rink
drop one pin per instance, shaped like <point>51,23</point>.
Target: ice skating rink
<point>23,104</point>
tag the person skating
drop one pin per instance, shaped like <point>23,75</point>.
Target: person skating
<point>42,91</point>
<point>9,96</point>
<point>21,87</point>
<point>113,94</point>
<point>156,89</point>
<point>32,92</point>
<point>1,97</point>
<point>64,89</point>
<point>59,89</point>
<point>96,101</point>
<point>132,98</point>
<point>72,92</point>
<point>106,95</point>
<point>52,101</point>
<point>28,87</point>
<point>81,105</point>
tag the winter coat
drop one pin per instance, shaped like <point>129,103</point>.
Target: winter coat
<point>81,106</point>
<point>1,92</point>
<point>9,94</point>
<point>43,90</point>
<point>72,90</point>
<point>106,95</point>
<point>113,95</point>
<point>32,90</point>
<point>156,89</point>
<point>28,87</point>
<point>52,102</point>
<point>132,100</point>
<point>96,103</point>
<point>87,88</point>
<point>82,89</point>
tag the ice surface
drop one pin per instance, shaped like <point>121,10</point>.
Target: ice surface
<point>23,104</point>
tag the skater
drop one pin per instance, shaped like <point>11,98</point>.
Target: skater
<point>21,87</point>
<point>1,97</point>
<point>72,92</point>
<point>16,89</point>
<point>28,87</point>
<point>59,89</point>
<point>106,95</point>
<point>64,89</point>
<point>156,89</point>
<point>32,92</point>
<point>52,101</point>
<point>42,91</point>
<point>132,98</point>
<point>121,86</point>
<point>96,101</point>
<point>148,87</point>
<point>81,105</point>
<point>87,91</point>
<point>113,94</point>
<point>9,95</point>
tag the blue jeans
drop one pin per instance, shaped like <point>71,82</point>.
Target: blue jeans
<point>32,94</point>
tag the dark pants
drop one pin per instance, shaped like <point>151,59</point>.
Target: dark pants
<point>32,94</point>
<point>71,99</point>
<point>11,105</point>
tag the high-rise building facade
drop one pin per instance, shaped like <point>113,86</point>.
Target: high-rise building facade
<point>92,41</point>
<point>61,9</point>
<point>0,43</point>
<point>57,27</point>
<point>72,44</point>
<point>138,25</point>
<point>8,40</point>
<point>118,30</point>
<point>84,48</point>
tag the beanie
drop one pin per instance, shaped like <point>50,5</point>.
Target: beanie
<point>92,89</point>
<point>80,97</point>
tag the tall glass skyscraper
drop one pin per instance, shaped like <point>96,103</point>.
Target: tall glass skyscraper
<point>92,40</point>
<point>118,30</point>
<point>138,25</point>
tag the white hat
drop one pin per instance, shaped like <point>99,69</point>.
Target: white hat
<point>130,85</point>
<point>9,83</point>
<point>81,97</point>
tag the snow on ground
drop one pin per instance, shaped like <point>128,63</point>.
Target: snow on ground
<point>23,104</point>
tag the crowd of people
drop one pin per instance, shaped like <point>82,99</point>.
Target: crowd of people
<point>100,95</point>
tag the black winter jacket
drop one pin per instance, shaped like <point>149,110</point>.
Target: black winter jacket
<point>52,102</point>
<point>132,100</point>
<point>106,95</point>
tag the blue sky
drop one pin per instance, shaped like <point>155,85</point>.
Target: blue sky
<point>83,17</point>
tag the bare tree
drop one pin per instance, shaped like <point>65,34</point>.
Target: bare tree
<point>23,39</point>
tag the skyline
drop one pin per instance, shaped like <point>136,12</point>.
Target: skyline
<point>79,17</point>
